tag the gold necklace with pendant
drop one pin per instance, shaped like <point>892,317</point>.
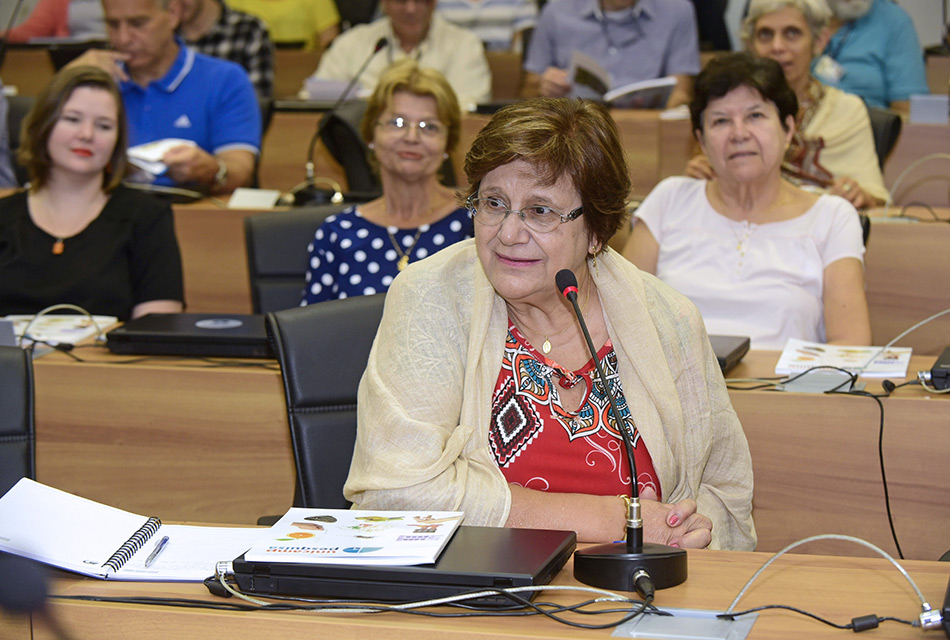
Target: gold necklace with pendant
<point>546,346</point>
<point>403,261</point>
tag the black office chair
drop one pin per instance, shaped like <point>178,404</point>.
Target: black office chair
<point>276,244</point>
<point>323,350</point>
<point>17,432</point>
<point>19,106</point>
<point>341,136</point>
<point>356,11</point>
<point>886,127</point>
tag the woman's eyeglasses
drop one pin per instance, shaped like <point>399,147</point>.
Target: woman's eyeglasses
<point>400,125</point>
<point>493,211</point>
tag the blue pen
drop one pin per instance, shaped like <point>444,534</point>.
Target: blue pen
<point>157,550</point>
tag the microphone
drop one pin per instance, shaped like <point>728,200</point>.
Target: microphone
<point>304,195</point>
<point>631,565</point>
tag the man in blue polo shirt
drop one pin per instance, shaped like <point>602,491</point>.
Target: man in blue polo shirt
<point>632,39</point>
<point>170,91</point>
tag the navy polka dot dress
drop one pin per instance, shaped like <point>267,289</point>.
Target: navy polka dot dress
<point>351,256</point>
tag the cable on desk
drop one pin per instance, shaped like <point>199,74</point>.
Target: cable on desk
<point>928,618</point>
<point>526,607</point>
<point>903,174</point>
<point>933,214</point>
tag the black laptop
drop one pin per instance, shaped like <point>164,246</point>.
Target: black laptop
<point>193,334</point>
<point>729,350</point>
<point>475,558</point>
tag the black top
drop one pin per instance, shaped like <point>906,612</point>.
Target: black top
<point>127,255</point>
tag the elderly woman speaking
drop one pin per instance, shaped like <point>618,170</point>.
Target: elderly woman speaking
<point>478,394</point>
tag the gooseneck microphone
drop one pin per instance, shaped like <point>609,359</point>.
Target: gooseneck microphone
<point>631,565</point>
<point>381,44</point>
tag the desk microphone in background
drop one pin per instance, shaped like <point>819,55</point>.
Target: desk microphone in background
<point>307,193</point>
<point>4,40</point>
<point>631,565</point>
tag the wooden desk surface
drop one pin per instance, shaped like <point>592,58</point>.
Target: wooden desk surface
<point>838,588</point>
<point>181,442</point>
<point>903,288</point>
<point>817,468</point>
<point>929,182</point>
<point>178,439</point>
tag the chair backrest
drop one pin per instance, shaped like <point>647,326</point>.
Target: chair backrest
<point>341,136</point>
<point>276,244</point>
<point>886,127</point>
<point>19,106</point>
<point>356,11</point>
<point>17,433</point>
<point>323,350</point>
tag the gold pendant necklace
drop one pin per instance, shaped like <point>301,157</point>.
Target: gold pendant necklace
<point>58,247</point>
<point>546,346</point>
<point>403,261</point>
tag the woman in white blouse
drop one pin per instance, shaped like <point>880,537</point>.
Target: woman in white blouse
<point>758,255</point>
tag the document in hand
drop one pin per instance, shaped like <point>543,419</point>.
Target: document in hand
<point>342,536</point>
<point>590,80</point>
<point>76,534</point>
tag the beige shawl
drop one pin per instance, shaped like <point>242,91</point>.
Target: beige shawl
<point>425,398</point>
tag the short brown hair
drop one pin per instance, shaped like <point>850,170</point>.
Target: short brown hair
<point>39,122</point>
<point>730,71</point>
<point>407,75</point>
<point>560,137</point>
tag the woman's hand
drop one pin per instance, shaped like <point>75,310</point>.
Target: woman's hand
<point>698,167</point>
<point>676,525</point>
<point>850,190</point>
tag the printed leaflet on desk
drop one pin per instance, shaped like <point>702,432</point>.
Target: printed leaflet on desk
<point>335,536</point>
<point>871,362</point>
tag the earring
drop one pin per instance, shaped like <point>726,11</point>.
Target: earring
<point>445,156</point>
<point>596,269</point>
<point>372,146</point>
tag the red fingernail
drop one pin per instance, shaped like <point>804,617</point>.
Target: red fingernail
<point>673,520</point>
<point>673,544</point>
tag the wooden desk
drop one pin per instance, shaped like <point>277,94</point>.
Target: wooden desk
<point>837,588</point>
<point>930,182</point>
<point>903,263</point>
<point>284,152</point>
<point>185,443</point>
<point>291,68</point>
<point>176,439</point>
<point>817,469</point>
<point>214,258</point>
<point>29,69</point>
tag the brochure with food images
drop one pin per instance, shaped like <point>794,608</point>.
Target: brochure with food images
<point>870,362</point>
<point>347,536</point>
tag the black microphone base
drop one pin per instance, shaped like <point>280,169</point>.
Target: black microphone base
<point>611,566</point>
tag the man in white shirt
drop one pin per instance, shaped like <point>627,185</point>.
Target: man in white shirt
<point>412,30</point>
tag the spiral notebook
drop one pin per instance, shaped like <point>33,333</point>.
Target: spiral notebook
<point>87,537</point>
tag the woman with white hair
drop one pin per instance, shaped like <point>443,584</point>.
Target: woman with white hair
<point>833,145</point>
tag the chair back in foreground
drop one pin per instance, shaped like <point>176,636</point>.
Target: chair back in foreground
<point>17,433</point>
<point>322,350</point>
<point>276,244</point>
<point>886,127</point>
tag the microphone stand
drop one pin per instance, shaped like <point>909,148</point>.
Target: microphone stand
<point>630,565</point>
<point>307,192</point>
